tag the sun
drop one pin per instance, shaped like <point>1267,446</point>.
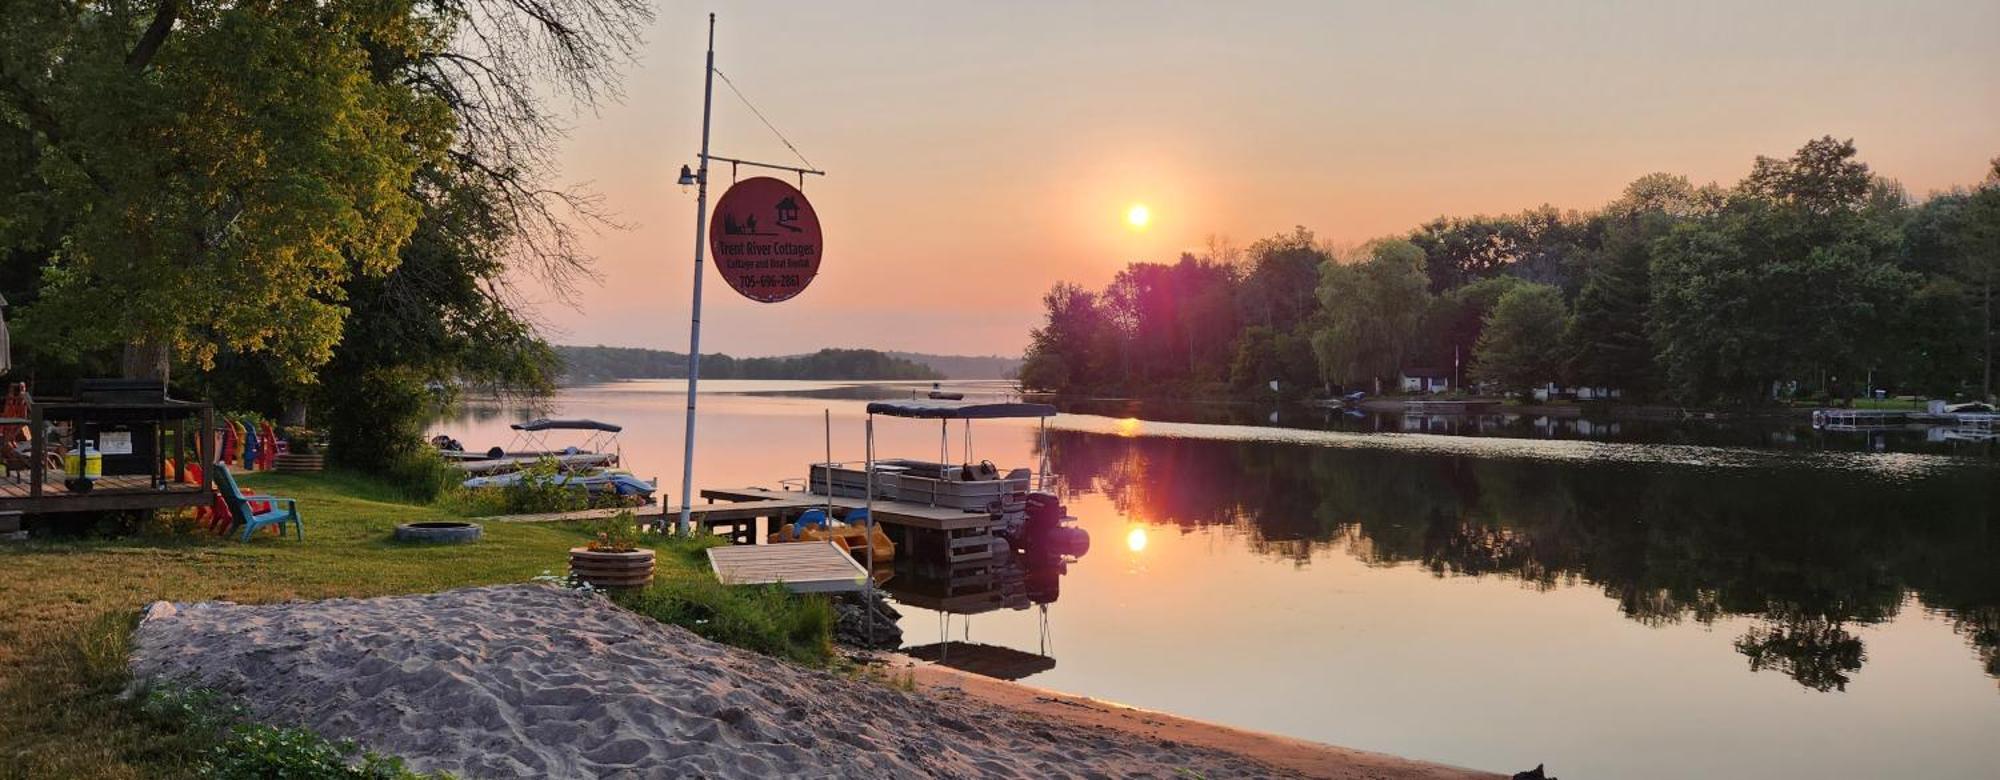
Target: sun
<point>1138,215</point>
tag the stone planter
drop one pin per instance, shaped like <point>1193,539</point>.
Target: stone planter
<point>295,463</point>
<point>612,569</point>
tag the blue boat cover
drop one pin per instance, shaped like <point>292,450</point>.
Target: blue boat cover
<point>546,424</point>
<point>958,410</point>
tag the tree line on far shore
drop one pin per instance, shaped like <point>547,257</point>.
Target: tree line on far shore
<point>1812,277</point>
<point>600,363</point>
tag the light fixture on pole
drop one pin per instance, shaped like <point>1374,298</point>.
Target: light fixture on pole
<point>687,177</point>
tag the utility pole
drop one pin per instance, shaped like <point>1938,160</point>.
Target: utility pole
<point>700,244</point>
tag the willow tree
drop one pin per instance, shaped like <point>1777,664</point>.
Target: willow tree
<point>1370,313</point>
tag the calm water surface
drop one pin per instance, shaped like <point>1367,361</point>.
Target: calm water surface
<point>1630,605</point>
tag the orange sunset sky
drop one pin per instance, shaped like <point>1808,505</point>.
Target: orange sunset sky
<point>978,153</point>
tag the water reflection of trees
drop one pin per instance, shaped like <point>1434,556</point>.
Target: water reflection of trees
<point>1807,554</point>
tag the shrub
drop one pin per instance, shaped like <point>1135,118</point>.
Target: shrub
<point>618,533</point>
<point>229,747</point>
<point>255,752</point>
<point>767,619</point>
<point>423,475</point>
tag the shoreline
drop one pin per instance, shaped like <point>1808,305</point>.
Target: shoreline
<point>536,681</point>
<point>1289,754</point>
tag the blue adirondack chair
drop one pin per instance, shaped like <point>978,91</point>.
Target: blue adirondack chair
<point>282,511</point>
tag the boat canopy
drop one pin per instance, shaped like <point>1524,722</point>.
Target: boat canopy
<point>546,424</point>
<point>958,410</point>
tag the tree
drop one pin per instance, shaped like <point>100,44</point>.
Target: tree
<point>1277,291</point>
<point>1606,343</point>
<point>1521,346</point>
<point>1792,280</point>
<point>1370,311</point>
<point>1453,321</point>
<point>215,172</point>
<point>1067,353</point>
<point>1822,178</point>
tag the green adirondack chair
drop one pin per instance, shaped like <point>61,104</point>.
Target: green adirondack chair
<point>282,511</point>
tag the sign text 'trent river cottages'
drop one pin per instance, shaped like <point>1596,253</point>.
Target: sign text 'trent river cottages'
<point>766,239</point>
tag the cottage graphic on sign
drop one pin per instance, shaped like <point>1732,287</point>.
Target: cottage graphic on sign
<point>766,239</point>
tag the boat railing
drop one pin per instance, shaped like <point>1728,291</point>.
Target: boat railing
<point>890,479</point>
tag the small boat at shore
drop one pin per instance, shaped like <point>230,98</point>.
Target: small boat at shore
<point>598,448</point>
<point>589,465</point>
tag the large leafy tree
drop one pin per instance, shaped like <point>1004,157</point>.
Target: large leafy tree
<point>1277,290</point>
<point>207,176</point>
<point>1792,279</point>
<point>1521,346</point>
<point>1069,352</point>
<point>275,193</point>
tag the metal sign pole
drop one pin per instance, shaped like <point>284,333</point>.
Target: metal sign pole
<point>700,243</point>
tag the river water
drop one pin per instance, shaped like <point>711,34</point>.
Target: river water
<point>1665,600</point>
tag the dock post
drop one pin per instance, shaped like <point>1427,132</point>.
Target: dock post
<point>868,536</point>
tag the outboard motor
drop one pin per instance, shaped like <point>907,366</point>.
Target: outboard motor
<point>1046,529</point>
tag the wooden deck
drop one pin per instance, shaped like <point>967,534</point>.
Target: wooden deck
<point>802,567</point>
<point>925,516</point>
<point>113,493</point>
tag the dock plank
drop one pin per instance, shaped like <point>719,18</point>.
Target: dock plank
<point>802,567</point>
<point>643,514</point>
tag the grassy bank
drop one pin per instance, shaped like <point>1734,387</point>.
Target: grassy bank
<point>66,608</point>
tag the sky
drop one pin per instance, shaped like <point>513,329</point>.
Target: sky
<point>978,153</point>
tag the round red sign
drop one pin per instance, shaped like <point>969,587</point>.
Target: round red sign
<point>766,239</point>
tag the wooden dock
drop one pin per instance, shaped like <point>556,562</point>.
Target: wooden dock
<point>1860,419</point>
<point>645,515</point>
<point>802,567</point>
<point>954,535</point>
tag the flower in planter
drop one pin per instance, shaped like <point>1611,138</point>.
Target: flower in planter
<point>618,533</point>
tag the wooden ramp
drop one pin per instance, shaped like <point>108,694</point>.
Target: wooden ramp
<point>802,567</point>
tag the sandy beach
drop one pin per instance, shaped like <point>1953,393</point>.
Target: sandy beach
<point>535,681</point>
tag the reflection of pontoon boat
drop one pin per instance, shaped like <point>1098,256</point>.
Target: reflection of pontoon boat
<point>1015,582</point>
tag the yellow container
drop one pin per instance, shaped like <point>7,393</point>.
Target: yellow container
<point>93,463</point>
<point>73,464</point>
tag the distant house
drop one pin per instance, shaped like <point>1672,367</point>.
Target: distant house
<point>1426,380</point>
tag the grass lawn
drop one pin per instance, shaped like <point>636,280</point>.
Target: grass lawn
<point>65,607</point>
<point>1890,404</point>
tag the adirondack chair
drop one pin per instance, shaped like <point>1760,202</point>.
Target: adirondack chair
<point>279,510</point>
